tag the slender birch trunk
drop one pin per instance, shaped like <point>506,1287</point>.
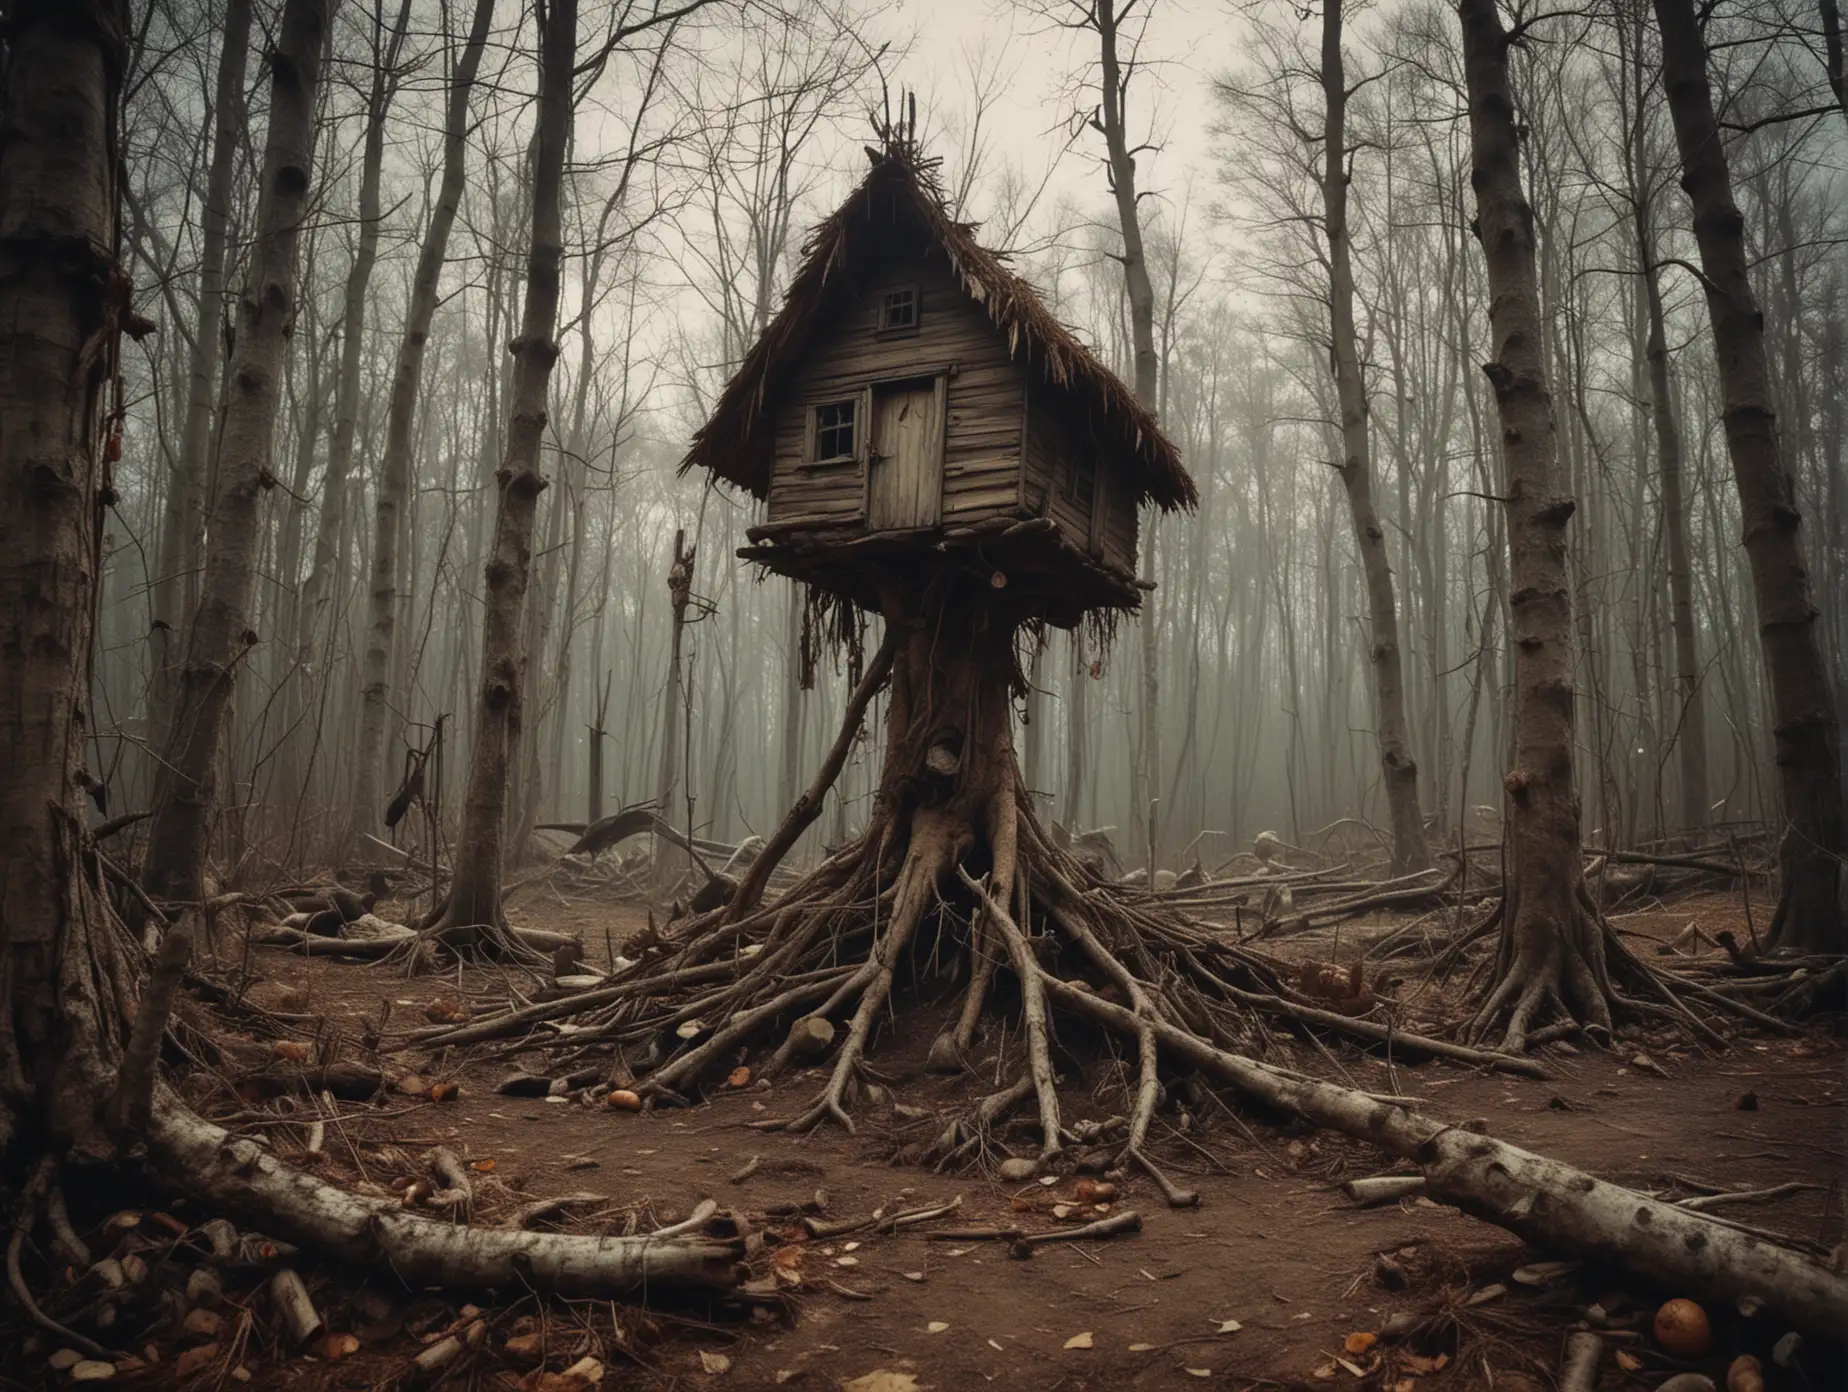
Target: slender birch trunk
<point>395,469</point>
<point>1551,951</point>
<point>1140,290</point>
<point>474,896</point>
<point>1398,769</point>
<point>220,637</point>
<point>1806,736</point>
<point>184,511</point>
<point>1691,734</point>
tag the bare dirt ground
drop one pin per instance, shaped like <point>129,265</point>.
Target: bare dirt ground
<point>1261,1285</point>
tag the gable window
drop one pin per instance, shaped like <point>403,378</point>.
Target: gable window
<point>834,426</point>
<point>898,310</point>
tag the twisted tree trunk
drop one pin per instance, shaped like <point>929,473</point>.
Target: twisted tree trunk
<point>395,468</point>
<point>1807,738</point>
<point>220,635</point>
<point>474,906</point>
<point>1398,769</point>
<point>1552,950</point>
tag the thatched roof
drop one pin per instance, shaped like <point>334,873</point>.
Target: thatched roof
<point>737,443</point>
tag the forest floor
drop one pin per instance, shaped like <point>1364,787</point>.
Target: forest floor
<point>1261,1285</point>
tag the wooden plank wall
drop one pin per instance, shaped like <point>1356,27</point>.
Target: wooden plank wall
<point>983,432</point>
<point>1056,432</point>
<point>1120,521</point>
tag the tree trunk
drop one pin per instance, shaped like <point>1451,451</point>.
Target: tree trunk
<point>1551,951</point>
<point>1398,769</point>
<point>185,504</point>
<point>220,635</point>
<point>673,705</point>
<point>1033,756</point>
<point>474,897</point>
<point>1832,51</point>
<point>395,468</point>
<point>1140,289</point>
<point>1691,732</point>
<point>1807,738</point>
<point>1077,729</point>
<point>66,296</point>
<point>789,778</point>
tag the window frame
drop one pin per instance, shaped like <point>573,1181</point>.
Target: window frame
<point>884,328</point>
<point>854,424</point>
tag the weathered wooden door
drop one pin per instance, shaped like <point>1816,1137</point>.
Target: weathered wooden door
<point>905,468</point>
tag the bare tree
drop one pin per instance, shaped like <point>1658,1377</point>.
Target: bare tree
<point>1399,769</point>
<point>220,636</point>
<point>1104,20</point>
<point>1552,948</point>
<point>792,80</point>
<point>185,506</point>
<point>1691,723</point>
<point>474,895</point>
<point>1807,738</point>
<point>395,467</point>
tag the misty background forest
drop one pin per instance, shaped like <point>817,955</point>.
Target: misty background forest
<point>704,144</point>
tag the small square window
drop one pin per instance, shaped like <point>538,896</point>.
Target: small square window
<point>834,430</point>
<point>898,309</point>
<point>1081,482</point>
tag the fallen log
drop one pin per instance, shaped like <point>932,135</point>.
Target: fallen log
<point>235,1176</point>
<point>1550,1205</point>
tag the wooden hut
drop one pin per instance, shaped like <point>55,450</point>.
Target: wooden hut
<point>915,405</point>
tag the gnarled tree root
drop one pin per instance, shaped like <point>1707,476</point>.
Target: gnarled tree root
<point>952,878</point>
<point>1558,969</point>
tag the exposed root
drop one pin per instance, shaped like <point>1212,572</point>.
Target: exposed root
<point>1033,1018</point>
<point>1553,978</point>
<point>953,876</point>
<point>36,1192</point>
<point>967,1135</point>
<point>934,843</point>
